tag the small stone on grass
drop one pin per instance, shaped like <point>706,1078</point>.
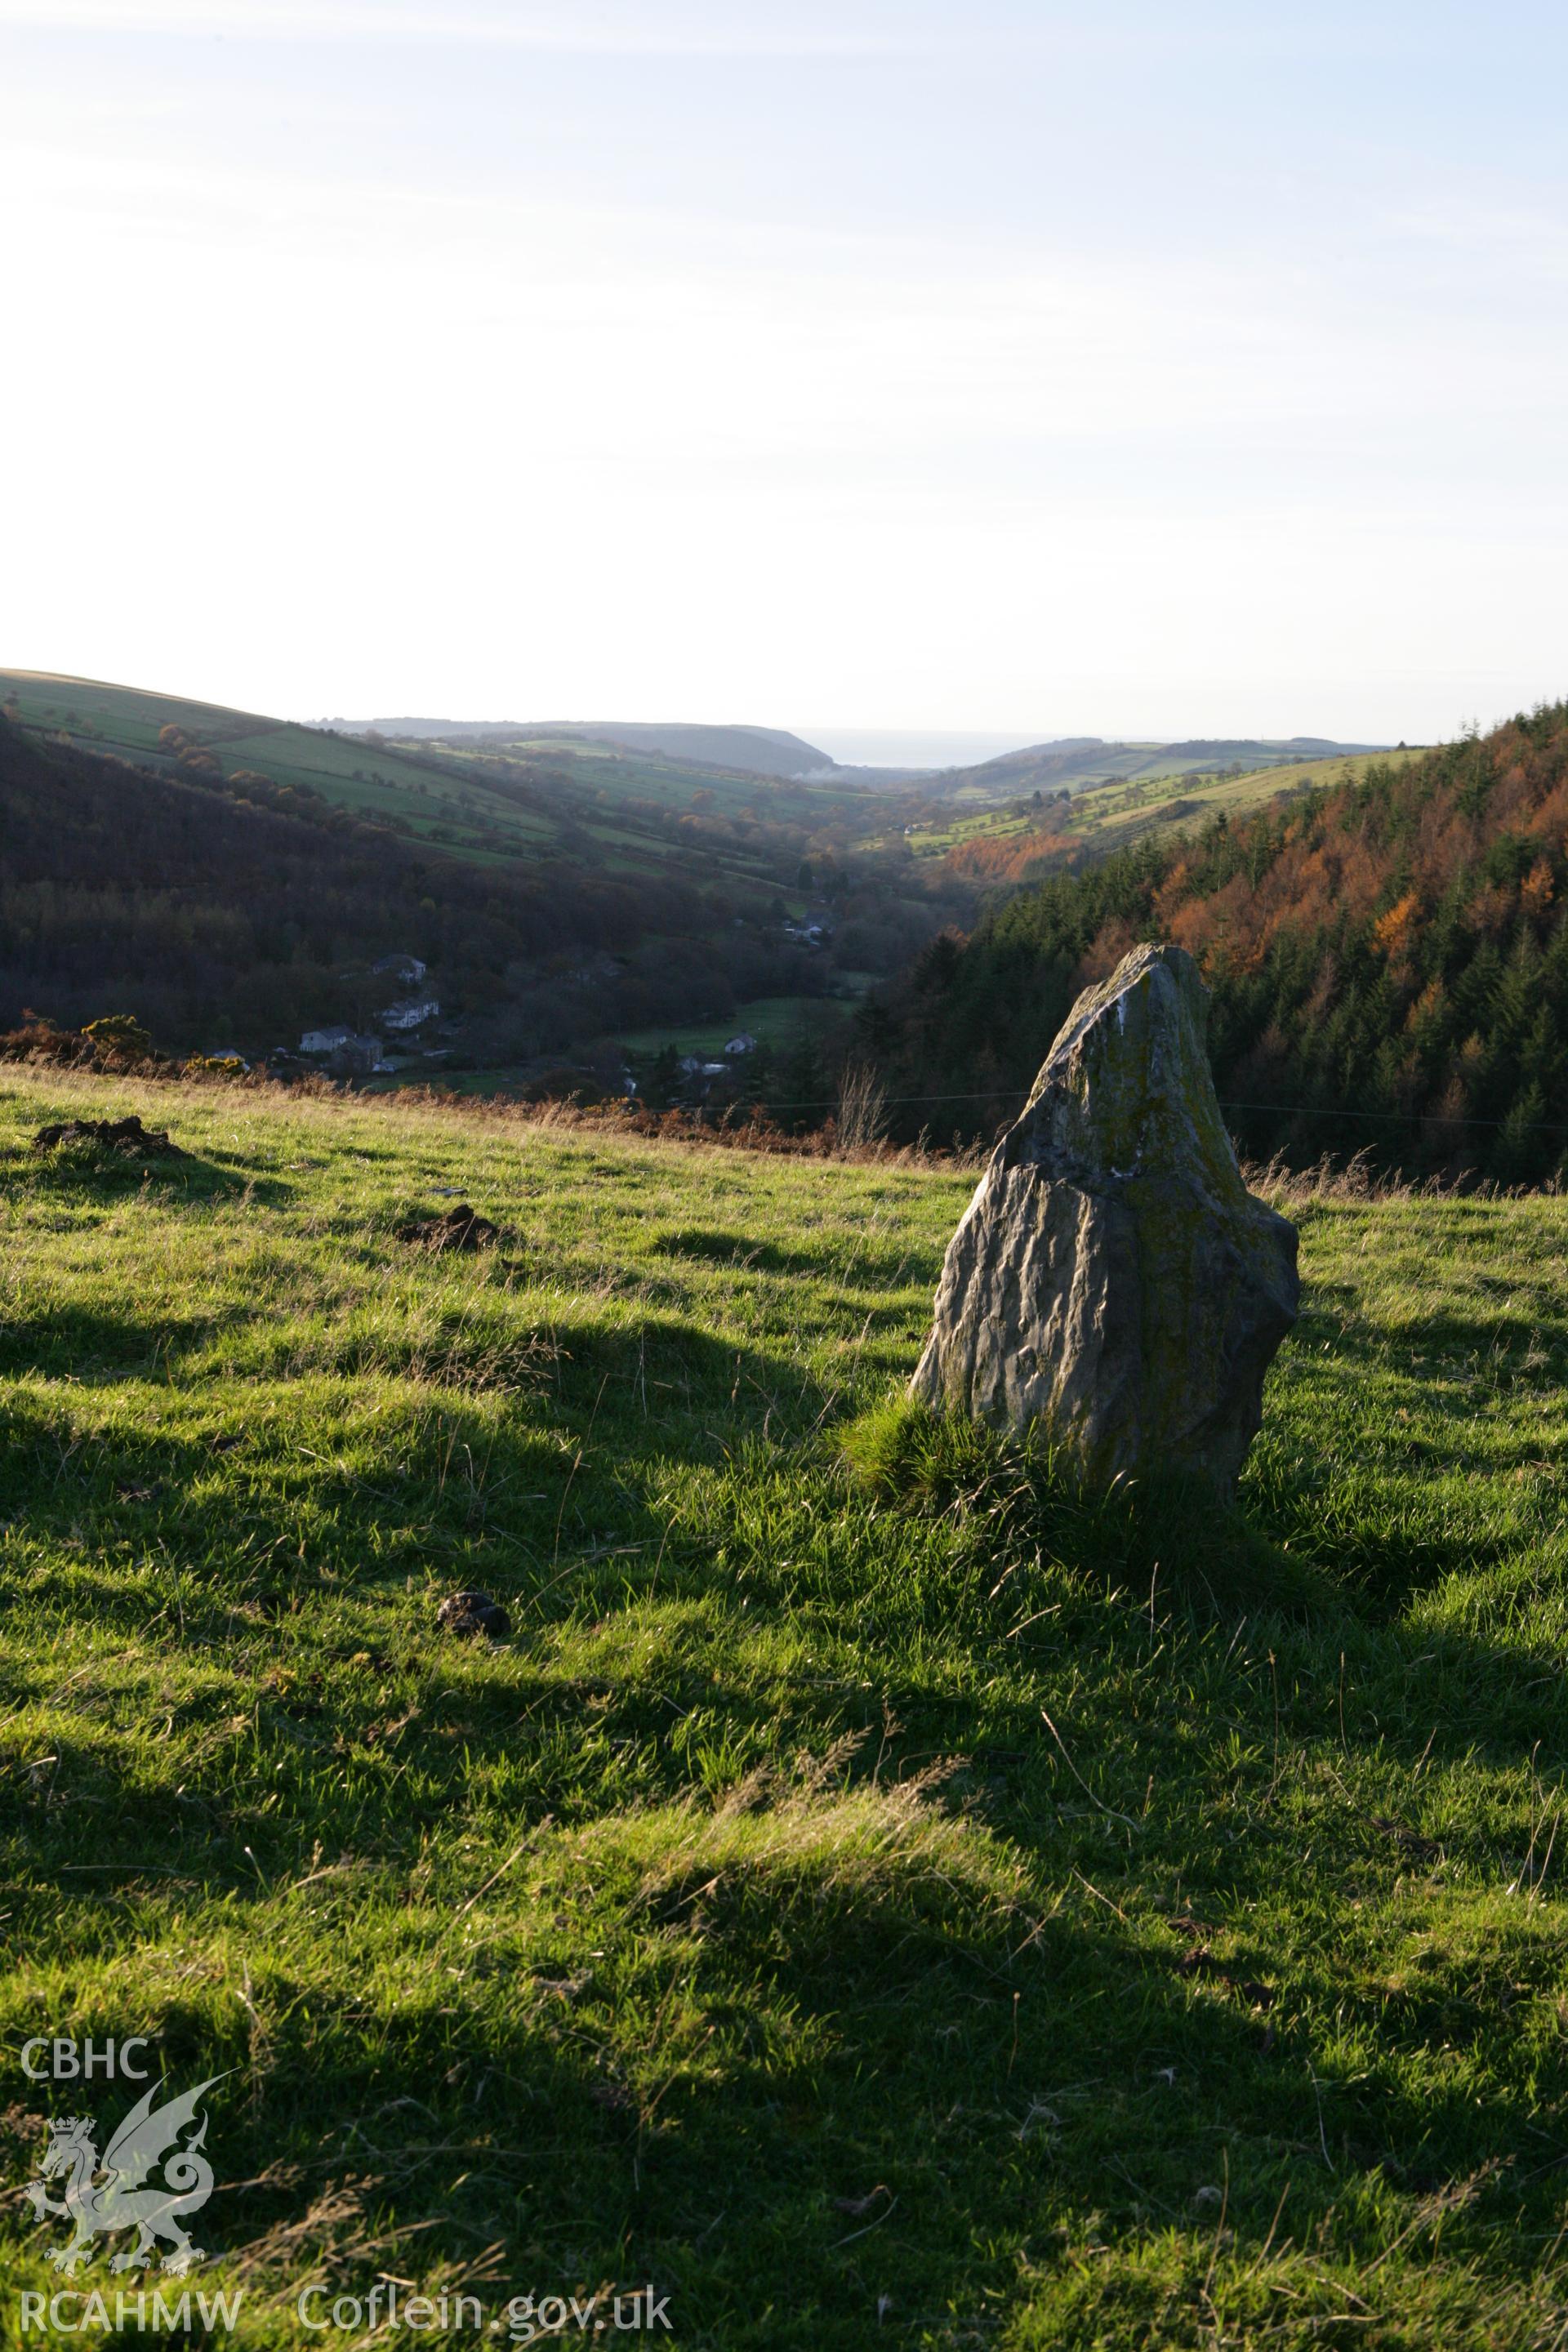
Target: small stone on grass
<point>469,1613</point>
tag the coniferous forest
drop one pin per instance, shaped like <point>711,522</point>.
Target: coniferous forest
<point>1388,963</point>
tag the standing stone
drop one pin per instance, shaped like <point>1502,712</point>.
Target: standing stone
<point>1113,1279</point>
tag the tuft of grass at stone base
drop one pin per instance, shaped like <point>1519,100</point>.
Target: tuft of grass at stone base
<point>874,1895</point>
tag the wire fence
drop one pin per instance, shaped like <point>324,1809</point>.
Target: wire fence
<point>1274,1109</point>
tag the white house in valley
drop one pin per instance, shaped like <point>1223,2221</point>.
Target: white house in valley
<point>411,1014</point>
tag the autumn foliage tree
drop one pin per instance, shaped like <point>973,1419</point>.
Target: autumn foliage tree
<point>1388,963</point>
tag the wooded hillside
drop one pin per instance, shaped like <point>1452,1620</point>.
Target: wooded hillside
<point>217,907</point>
<point>638,892</point>
<point>1388,961</point>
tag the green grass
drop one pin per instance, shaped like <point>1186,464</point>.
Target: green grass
<point>875,1894</point>
<point>447,798</point>
<point>423,782</point>
<point>771,1020</point>
<point>1109,765</point>
<point>1113,815</point>
<point>343,768</point>
<point>1110,816</point>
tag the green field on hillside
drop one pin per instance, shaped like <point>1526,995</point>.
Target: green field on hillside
<point>620,773</point>
<point>1095,766</point>
<point>1115,814</point>
<point>948,1917</point>
<point>771,1020</point>
<point>734,837</point>
<point>1107,817</point>
<point>128,720</point>
<point>411,790</point>
<point>424,782</point>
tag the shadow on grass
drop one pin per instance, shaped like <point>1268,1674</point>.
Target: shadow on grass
<point>78,1344</point>
<point>75,1173</point>
<point>1424,1360</point>
<point>820,2080</point>
<point>277,1494</point>
<point>838,1259</point>
<point>1023,1492</point>
<point>673,1387</point>
<point>1381,1548</point>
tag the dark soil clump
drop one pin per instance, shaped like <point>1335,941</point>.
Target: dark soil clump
<point>469,1613</point>
<point>119,1138</point>
<point>460,1229</point>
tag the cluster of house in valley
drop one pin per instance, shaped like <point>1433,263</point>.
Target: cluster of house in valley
<point>699,1075</point>
<point>358,1053</point>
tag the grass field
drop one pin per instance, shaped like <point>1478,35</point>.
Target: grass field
<point>424,783</point>
<point>642,820</point>
<point>1115,814</point>
<point>1110,816</point>
<point>771,1020</point>
<point>1099,767</point>
<point>127,720</point>
<point>936,1914</point>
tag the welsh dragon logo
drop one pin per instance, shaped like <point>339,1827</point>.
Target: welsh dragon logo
<point>149,2138</point>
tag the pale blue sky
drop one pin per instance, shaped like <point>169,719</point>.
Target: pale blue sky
<point>1032,369</point>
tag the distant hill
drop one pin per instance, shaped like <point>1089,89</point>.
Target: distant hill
<point>1078,763</point>
<point>475,795</point>
<point>756,751</point>
<point>214,866</point>
<point>441,788</point>
<point>996,844</point>
<point>216,913</point>
<point>1388,961</point>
